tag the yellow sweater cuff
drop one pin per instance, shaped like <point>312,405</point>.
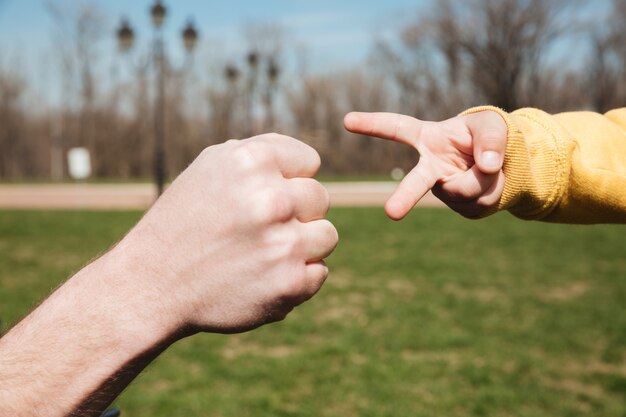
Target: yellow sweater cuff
<point>533,170</point>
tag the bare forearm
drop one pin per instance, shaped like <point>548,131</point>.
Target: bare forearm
<point>225,255</point>
<point>80,348</point>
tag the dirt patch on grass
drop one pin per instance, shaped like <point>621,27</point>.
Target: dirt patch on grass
<point>402,287</point>
<point>450,358</point>
<point>576,387</point>
<point>339,280</point>
<point>347,308</point>
<point>160,386</point>
<point>566,293</point>
<point>340,313</point>
<point>588,365</point>
<point>358,359</point>
<point>598,367</point>
<point>482,294</point>
<point>236,348</point>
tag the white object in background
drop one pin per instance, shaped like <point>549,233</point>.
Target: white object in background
<point>397,174</point>
<point>79,163</point>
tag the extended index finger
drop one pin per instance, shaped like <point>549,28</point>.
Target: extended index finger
<point>390,126</point>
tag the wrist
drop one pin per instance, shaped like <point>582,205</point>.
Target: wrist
<point>91,337</point>
<point>514,166</point>
<point>132,288</point>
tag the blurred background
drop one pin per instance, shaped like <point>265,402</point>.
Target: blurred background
<point>126,84</point>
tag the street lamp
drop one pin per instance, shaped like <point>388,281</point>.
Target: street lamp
<point>260,76</point>
<point>231,73</point>
<point>158,13</point>
<point>253,66</point>
<point>125,37</point>
<point>190,37</point>
<point>273,71</point>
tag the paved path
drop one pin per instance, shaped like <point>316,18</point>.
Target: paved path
<point>141,196</point>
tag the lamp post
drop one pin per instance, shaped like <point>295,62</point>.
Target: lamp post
<point>125,37</point>
<point>257,89</point>
<point>273,71</point>
<point>253,66</point>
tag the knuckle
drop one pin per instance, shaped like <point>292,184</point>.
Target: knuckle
<point>461,194</point>
<point>275,137</point>
<point>277,313</point>
<point>486,201</point>
<point>323,275</point>
<point>316,159</point>
<point>260,152</point>
<point>331,234</point>
<point>298,147</point>
<point>324,198</point>
<point>491,138</point>
<point>206,152</point>
<point>468,194</point>
<point>242,159</point>
<point>290,243</point>
<point>273,205</point>
<point>229,145</point>
<point>316,279</point>
<point>334,235</point>
<point>290,288</point>
<point>455,194</point>
<point>232,143</point>
<point>319,194</point>
<point>271,139</point>
<point>251,155</point>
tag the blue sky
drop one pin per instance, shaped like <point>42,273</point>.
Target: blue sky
<point>336,33</point>
<point>333,34</point>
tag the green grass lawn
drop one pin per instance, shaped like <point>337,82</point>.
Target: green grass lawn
<point>433,316</point>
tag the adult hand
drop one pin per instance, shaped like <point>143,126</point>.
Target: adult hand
<point>237,240</point>
<point>460,159</point>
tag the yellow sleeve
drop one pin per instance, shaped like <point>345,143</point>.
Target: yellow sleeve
<point>565,168</point>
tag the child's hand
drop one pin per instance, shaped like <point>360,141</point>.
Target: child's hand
<point>460,159</point>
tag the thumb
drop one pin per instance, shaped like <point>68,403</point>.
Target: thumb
<point>489,136</point>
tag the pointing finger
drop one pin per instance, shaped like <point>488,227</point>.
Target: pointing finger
<point>390,126</point>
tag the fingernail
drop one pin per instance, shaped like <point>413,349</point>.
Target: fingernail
<point>490,159</point>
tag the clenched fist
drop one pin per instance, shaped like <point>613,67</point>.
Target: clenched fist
<point>238,239</point>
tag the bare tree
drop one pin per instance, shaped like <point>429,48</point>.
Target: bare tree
<point>461,53</point>
<point>608,62</point>
<point>224,105</point>
<point>11,126</point>
<point>266,43</point>
<point>471,52</point>
<point>504,44</point>
<point>80,26</point>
